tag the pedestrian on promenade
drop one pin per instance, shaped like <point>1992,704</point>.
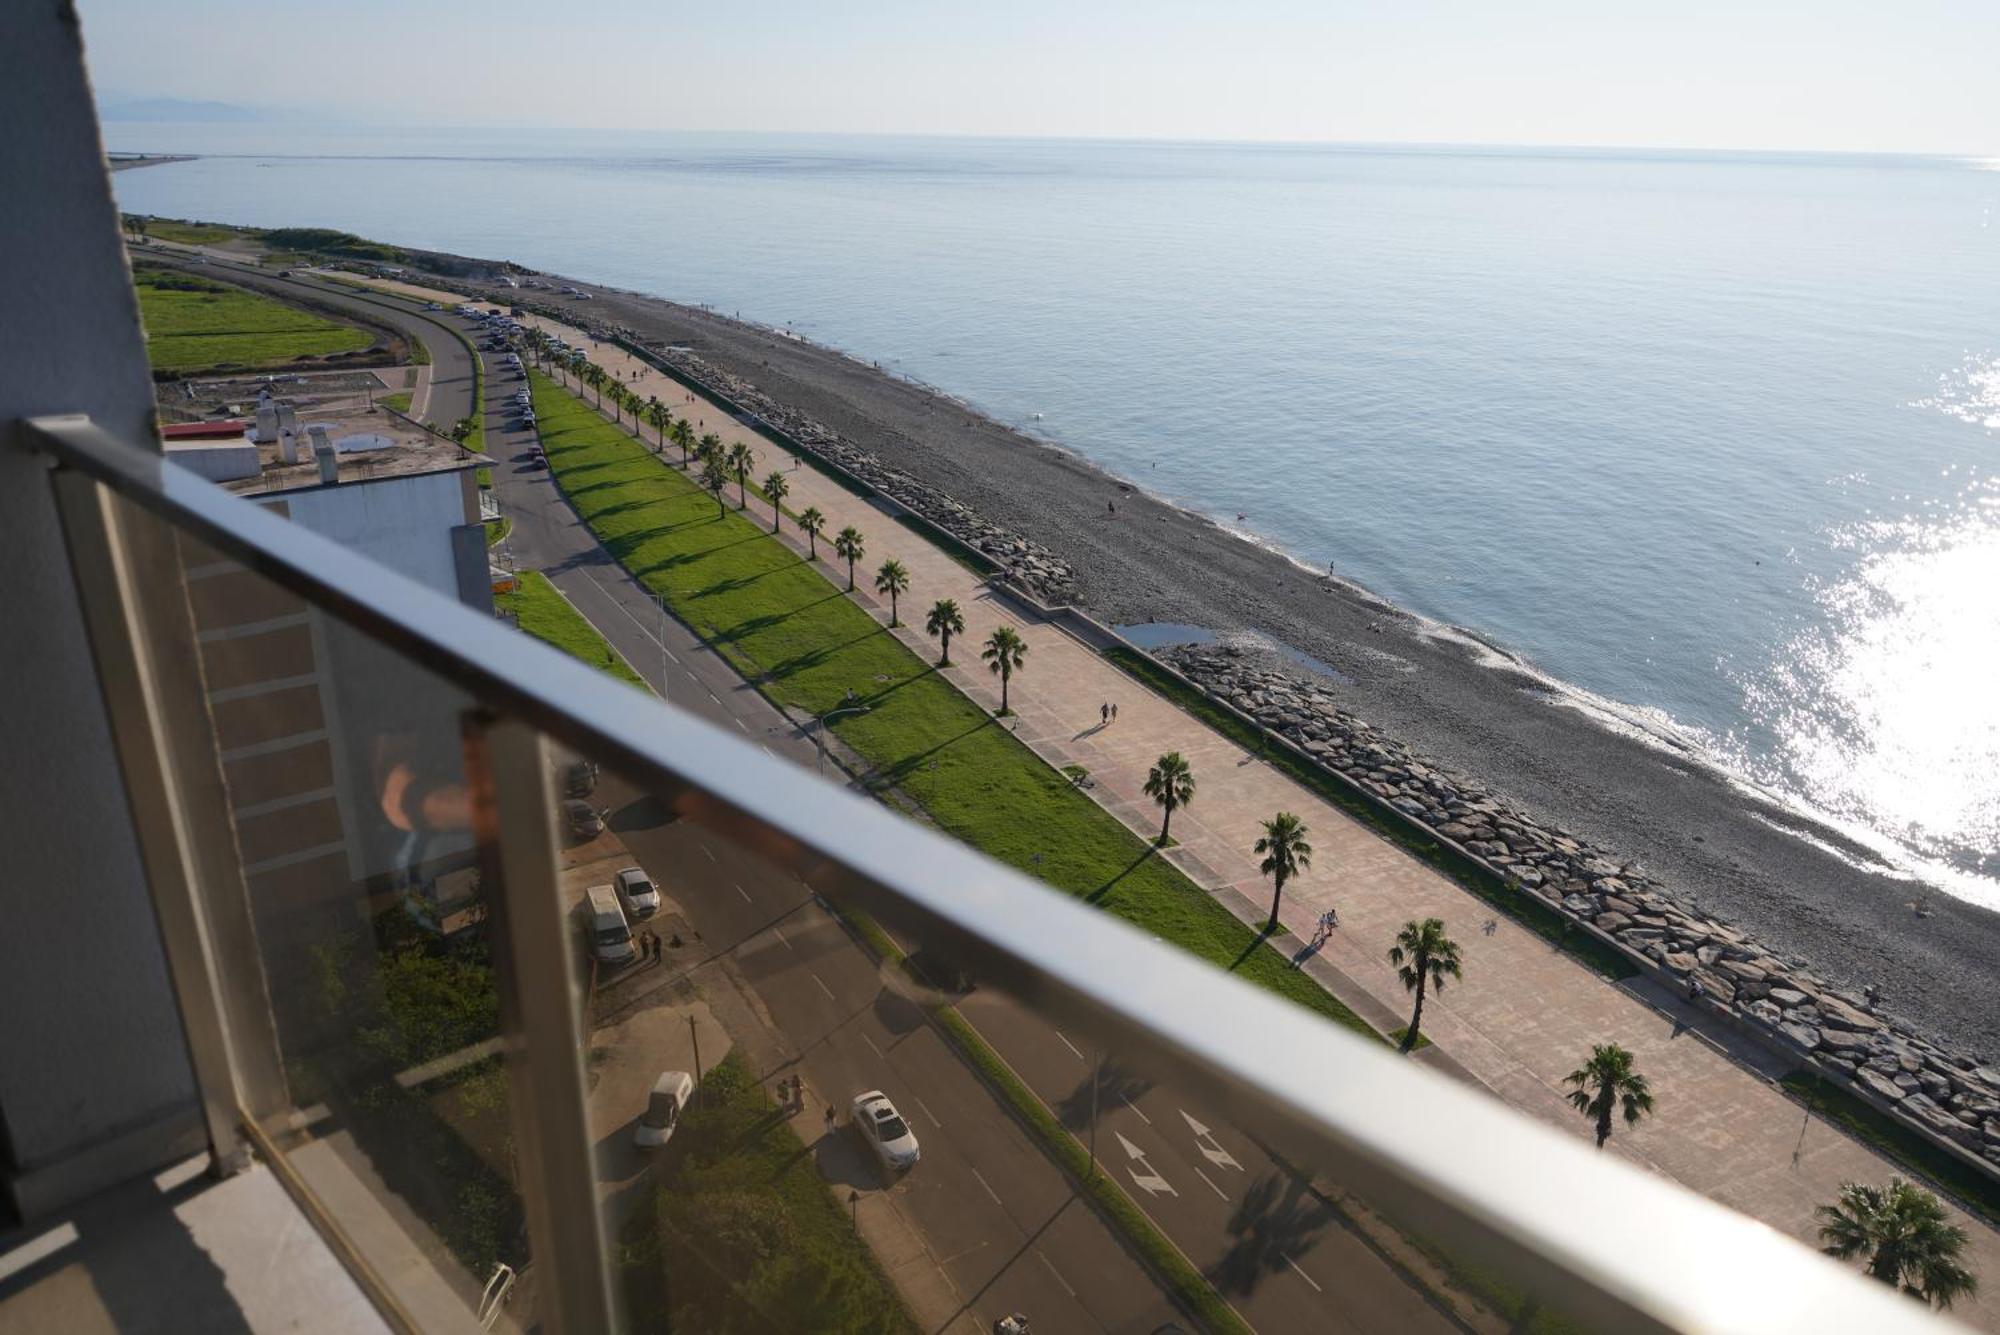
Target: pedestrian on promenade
<point>1104,713</point>
<point>829,1119</point>
<point>1114,712</point>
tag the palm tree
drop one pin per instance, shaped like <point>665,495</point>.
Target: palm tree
<point>1170,783</point>
<point>1423,956</point>
<point>617,397</point>
<point>1003,653</point>
<point>715,477</point>
<point>683,435</point>
<point>777,489</point>
<point>893,578</point>
<point>945,621</point>
<point>741,461</point>
<point>656,413</point>
<point>812,523</point>
<point>710,445</point>
<point>1286,854</point>
<point>849,544</point>
<point>1605,1082</point>
<point>1904,1233</point>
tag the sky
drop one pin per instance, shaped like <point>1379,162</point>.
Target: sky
<point>1832,75</point>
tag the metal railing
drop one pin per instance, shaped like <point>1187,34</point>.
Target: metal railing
<point>1617,1248</point>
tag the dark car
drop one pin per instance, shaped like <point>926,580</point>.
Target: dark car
<point>579,777</point>
<point>582,820</point>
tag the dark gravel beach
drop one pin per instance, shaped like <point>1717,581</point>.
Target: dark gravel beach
<point>1717,849</point>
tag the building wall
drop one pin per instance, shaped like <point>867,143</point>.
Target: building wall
<point>94,1076</point>
<point>404,523</point>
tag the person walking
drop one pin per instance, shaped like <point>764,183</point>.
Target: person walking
<point>1103,714</point>
<point>829,1119</point>
<point>1114,712</point>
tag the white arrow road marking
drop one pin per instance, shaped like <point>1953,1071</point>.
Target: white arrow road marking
<point>1150,1181</point>
<point>1204,1140</point>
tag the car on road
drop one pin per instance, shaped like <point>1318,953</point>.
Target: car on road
<point>604,922</point>
<point>894,1143</point>
<point>664,1105</point>
<point>580,778</point>
<point>637,892</point>
<point>537,462</point>
<point>582,820</point>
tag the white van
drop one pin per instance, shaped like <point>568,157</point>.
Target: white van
<point>610,934</point>
<point>670,1095</point>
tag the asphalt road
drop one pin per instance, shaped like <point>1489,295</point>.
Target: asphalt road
<point>996,1214</point>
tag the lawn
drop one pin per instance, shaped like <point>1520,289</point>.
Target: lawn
<point>744,1235</point>
<point>400,402</point>
<point>193,324</point>
<point>545,614</point>
<point>192,234</point>
<point>780,622</point>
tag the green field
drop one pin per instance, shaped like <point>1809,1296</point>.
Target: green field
<point>545,614</point>
<point>400,402</point>
<point>804,644</point>
<point>192,234</point>
<point>193,324</point>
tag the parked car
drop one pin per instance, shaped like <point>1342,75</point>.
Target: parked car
<point>579,776</point>
<point>894,1143</point>
<point>664,1105</point>
<point>610,935</point>
<point>637,892</point>
<point>583,820</point>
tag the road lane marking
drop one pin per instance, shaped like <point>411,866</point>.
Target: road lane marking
<point>1303,1275</point>
<point>1135,1108</point>
<point>1211,1186</point>
<point>781,936</point>
<point>824,988</point>
<point>1057,1273</point>
<point>989,1190</point>
<point>746,895</point>
<point>711,852</point>
<point>871,1046</point>
<point>739,722</point>
<point>1071,1046</point>
<point>1149,1181</point>
<point>928,1113</point>
<point>1211,1148</point>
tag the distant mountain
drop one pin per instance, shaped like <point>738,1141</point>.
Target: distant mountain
<point>176,109</point>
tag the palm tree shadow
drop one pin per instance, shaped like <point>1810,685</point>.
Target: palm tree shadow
<point>879,696</point>
<point>1101,891</point>
<point>1110,1083</point>
<point>901,769</point>
<point>1263,935</point>
<point>1276,1219</point>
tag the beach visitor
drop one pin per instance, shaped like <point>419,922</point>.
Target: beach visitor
<point>1104,714</point>
<point>1114,711</point>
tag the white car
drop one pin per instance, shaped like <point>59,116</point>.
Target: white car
<point>641,897</point>
<point>885,1131</point>
<point>670,1096</point>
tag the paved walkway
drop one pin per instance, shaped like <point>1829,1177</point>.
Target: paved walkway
<point>1525,1014</point>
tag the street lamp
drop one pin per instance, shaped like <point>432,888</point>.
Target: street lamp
<point>827,717</point>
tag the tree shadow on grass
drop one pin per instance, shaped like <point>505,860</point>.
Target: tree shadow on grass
<point>1263,934</point>
<point>899,772</point>
<point>1276,1219</point>
<point>1101,891</point>
<point>797,663</point>
<point>876,698</point>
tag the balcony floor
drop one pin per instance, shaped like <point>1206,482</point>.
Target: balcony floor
<point>179,1252</point>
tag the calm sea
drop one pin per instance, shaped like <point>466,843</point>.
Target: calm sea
<point>1714,438</point>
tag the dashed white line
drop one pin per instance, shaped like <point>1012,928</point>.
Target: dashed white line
<point>1303,1275</point>
<point>781,937</point>
<point>1071,1046</point>
<point>990,1192</point>
<point>871,1045</point>
<point>1135,1108</point>
<point>824,988</point>
<point>1057,1273</point>
<point>739,722</point>
<point>928,1113</point>
<point>1211,1186</point>
<point>709,851</point>
<point>746,895</point>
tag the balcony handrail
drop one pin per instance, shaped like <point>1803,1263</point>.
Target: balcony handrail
<point>1603,1241</point>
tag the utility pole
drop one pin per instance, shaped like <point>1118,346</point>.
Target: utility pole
<point>660,600</point>
<point>695,1036</point>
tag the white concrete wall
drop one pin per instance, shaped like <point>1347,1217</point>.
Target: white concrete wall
<point>404,523</point>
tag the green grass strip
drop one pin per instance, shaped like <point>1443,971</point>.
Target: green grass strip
<point>1540,918</point>
<point>544,613</point>
<point>497,530</point>
<point>1974,1190</point>
<point>805,645</point>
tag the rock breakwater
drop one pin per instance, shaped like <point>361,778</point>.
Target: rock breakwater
<point>1847,1034</point>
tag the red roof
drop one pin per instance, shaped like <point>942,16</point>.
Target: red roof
<point>204,430</point>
